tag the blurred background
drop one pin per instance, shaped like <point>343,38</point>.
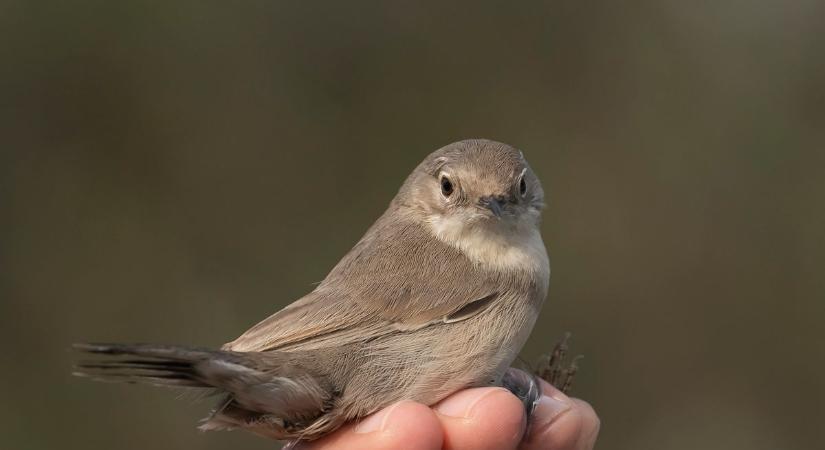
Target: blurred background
<point>176,171</point>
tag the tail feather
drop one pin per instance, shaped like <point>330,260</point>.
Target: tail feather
<point>263,391</point>
<point>155,380</point>
<point>165,352</point>
<point>156,364</point>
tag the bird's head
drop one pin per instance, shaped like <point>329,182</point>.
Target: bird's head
<point>476,183</point>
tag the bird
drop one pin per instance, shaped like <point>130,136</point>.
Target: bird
<point>439,295</point>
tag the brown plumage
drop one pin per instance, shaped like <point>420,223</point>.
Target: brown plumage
<point>439,295</point>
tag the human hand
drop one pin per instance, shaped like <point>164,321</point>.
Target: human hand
<point>478,419</point>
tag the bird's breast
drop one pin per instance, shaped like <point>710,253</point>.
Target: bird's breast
<point>509,247</point>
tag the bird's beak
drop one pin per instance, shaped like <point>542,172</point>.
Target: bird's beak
<point>491,203</point>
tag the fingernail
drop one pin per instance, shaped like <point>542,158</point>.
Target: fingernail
<point>548,409</point>
<point>461,404</point>
<point>375,422</point>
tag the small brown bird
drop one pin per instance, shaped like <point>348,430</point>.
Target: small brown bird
<point>439,295</point>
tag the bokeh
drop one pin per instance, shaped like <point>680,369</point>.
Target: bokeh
<point>176,171</point>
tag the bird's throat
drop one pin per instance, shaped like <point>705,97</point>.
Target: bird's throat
<point>513,246</point>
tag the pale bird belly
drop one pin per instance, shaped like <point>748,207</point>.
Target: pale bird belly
<point>475,352</point>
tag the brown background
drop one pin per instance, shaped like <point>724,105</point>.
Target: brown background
<point>176,171</point>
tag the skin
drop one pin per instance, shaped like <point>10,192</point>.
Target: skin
<point>496,421</point>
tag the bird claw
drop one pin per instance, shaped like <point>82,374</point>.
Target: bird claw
<point>552,368</point>
<point>523,385</point>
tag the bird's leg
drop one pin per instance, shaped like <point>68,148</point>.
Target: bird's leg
<point>552,368</point>
<point>555,369</point>
<point>523,385</point>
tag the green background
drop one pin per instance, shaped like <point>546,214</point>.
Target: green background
<point>176,171</point>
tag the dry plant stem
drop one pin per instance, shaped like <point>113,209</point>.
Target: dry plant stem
<point>556,370</point>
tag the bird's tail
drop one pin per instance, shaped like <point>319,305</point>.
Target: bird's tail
<point>161,365</point>
<point>264,391</point>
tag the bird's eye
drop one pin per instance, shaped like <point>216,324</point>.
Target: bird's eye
<point>446,186</point>
<point>522,186</point>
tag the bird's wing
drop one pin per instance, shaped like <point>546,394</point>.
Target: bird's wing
<point>396,278</point>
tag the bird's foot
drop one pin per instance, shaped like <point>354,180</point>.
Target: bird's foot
<point>553,368</point>
<point>523,385</point>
